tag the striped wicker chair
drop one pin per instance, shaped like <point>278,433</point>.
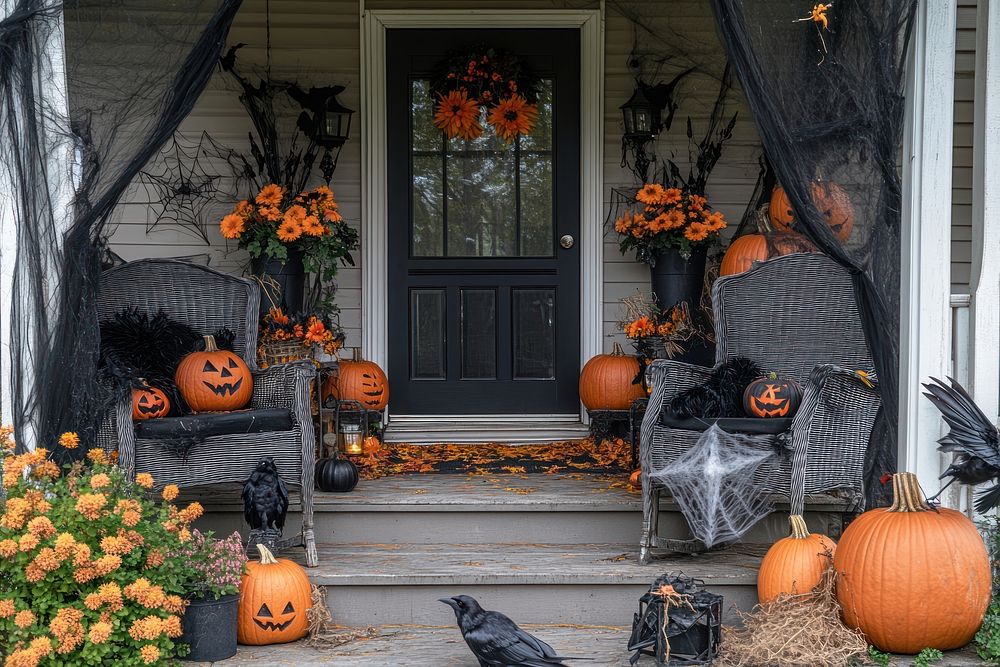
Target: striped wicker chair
<point>208,300</point>
<point>796,315</point>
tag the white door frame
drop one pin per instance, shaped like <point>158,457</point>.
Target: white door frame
<point>374,189</point>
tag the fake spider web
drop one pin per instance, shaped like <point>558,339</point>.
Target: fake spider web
<point>183,185</point>
<point>713,485</point>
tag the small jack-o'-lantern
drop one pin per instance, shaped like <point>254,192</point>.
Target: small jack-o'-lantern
<point>275,597</point>
<point>831,200</point>
<point>148,403</point>
<point>771,396</point>
<point>214,380</point>
<point>361,381</point>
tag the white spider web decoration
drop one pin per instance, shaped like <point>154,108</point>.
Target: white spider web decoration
<point>713,485</point>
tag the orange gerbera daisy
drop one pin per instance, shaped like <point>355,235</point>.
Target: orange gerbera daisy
<point>675,219</point>
<point>513,116</point>
<point>715,221</point>
<point>670,196</point>
<point>651,193</point>
<point>696,232</point>
<point>290,230</point>
<point>697,202</point>
<point>270,195</point>
<point>312,226</point>
<point>232,226</point>
<point>457,115</point>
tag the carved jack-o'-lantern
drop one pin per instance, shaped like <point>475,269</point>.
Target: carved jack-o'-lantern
<point>148,403</point>
<point>831,200</point>
<point>214,380</point>
<point>771,396</point>
<point>361,381</point>
<point>275,597</point>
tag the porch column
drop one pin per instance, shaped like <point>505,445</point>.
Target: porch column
<point>50,111</point>
<point>925,313</point>
<point>984,315</point>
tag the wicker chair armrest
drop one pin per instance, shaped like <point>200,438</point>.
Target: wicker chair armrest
<point>667,378</point>
<point>284,386</point>
<point>117,433</point>
<point>830,431</point>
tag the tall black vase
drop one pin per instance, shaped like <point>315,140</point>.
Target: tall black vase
<point>675,279</point>
<point>283,283</point>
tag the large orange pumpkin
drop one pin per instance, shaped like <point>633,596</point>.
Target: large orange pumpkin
<point>275,597</point>
<point>149,402</point>
<point>359,380</point>
<point>912,577</point>
<point>606,381</point>
<point>214,380</point>
<point>742,253</point>
<point>794,564</point>
<point>830,199</point>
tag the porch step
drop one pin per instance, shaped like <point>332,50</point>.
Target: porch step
<point>488,509</point>
<point>465,429</point>
<point>594,584</point>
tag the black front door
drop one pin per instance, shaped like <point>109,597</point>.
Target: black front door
<point>484,269</point>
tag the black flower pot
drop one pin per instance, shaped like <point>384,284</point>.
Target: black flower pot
<point>283,283</point>
<point>336,475</point>
<point>675,279</point>
<point>210,628</point>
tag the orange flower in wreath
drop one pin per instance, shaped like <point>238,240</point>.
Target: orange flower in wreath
<point>513,116</point>
<point>458,115</point>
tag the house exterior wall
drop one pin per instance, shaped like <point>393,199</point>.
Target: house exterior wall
<point>317,42</point>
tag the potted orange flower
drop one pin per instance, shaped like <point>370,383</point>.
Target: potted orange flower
<point>289,235</point>
<point>670,229</point>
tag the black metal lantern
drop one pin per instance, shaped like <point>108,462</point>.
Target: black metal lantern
<point>325,121</point>
<point>678,623</point>
<point>641,116</point>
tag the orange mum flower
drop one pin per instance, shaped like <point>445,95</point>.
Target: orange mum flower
<point>675,219</point>
<point>145,480</point>
<point>113,544</point>
<point>696,232</point>
<point>149,654</point>
<point>6,608</point>
<point>90,505</point>
<point>290,230</point>
<point>670,196</point>
<point>270,213</point>
<point>154,559</point>
<point>174,604</point>
<point>99,481</point>
<point>243,208</point>
<point>27,542</point>
<point>99,632</point>
<point>69,440</point>
<point>270,195</point>
<point>98,456</point>
<point>312,226</point>
<point>131,518</point>
<point>513,116</point>
<point>457,115</point>
<point>41,527</point>
<point>232,226</point>
<point>64,545</point>
<point>8,548</point>
<point>24,619</point>
<point>170,492</point>
<point>697,202</point>
<point>650,194</point>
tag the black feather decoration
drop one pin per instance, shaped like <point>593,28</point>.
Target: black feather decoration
<point>721,395</point>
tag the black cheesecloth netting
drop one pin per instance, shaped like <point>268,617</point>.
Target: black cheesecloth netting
<point>133,71</point>
<point>826,93</point>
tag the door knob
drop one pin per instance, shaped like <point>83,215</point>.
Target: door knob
<point>567,241</point>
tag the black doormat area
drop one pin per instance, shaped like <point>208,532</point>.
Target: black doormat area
<point>588,456</point>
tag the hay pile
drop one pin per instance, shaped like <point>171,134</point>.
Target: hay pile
<point>795,631</point>
<point>323,633</point>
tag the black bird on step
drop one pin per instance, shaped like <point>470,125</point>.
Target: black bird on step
<point>265,497</point>
<point>972,436</point>
<point>497,641</point>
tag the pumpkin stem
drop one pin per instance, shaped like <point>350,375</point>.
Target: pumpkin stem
<point>907,496</point>
<point>616,350</point>
<point>356,354</point>
<point>210,345</point>
<point>799,529</point>
<point>762,220</point>
<point>266,557</point>
<point>773,375</point>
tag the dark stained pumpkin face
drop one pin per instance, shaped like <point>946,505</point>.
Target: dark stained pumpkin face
<point>148,403</point>
<point>214,380</point>
<point>831,200</point>
<point>265,620</point>
<point>361,381</point>
<point>772,397</point>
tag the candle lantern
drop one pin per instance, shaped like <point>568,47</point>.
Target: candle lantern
<point>350,434</point>
<point>678,623</point>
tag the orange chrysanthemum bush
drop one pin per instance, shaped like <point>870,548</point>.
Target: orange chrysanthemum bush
<point>90,564</point>
<point>276,221</point>
<point>485,85</point>
<point>665,218</point>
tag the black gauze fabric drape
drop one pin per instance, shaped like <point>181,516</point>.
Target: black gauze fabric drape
<point>130,72</point>
<point>826,92</point>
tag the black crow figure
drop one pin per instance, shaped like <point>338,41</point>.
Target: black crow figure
<point>265,497</point>
<point>497,641</point>
<point>974,439</point>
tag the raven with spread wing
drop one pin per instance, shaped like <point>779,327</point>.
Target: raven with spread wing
<point>265,497</point>
<point>972,436</point>
<point>497,641</point>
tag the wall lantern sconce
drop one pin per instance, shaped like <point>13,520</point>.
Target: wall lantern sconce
<point>324,120</point>
<point>648,112</point>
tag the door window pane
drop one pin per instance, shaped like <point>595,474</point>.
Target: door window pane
<point>534,320</point>
<point>427,334</point>
<point>479,334</point>
<point>480,198</point>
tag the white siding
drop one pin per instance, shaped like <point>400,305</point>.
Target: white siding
<point>317,42</point>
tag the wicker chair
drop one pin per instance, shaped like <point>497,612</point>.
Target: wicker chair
<point>208,300</point>
<point>796,315</point>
